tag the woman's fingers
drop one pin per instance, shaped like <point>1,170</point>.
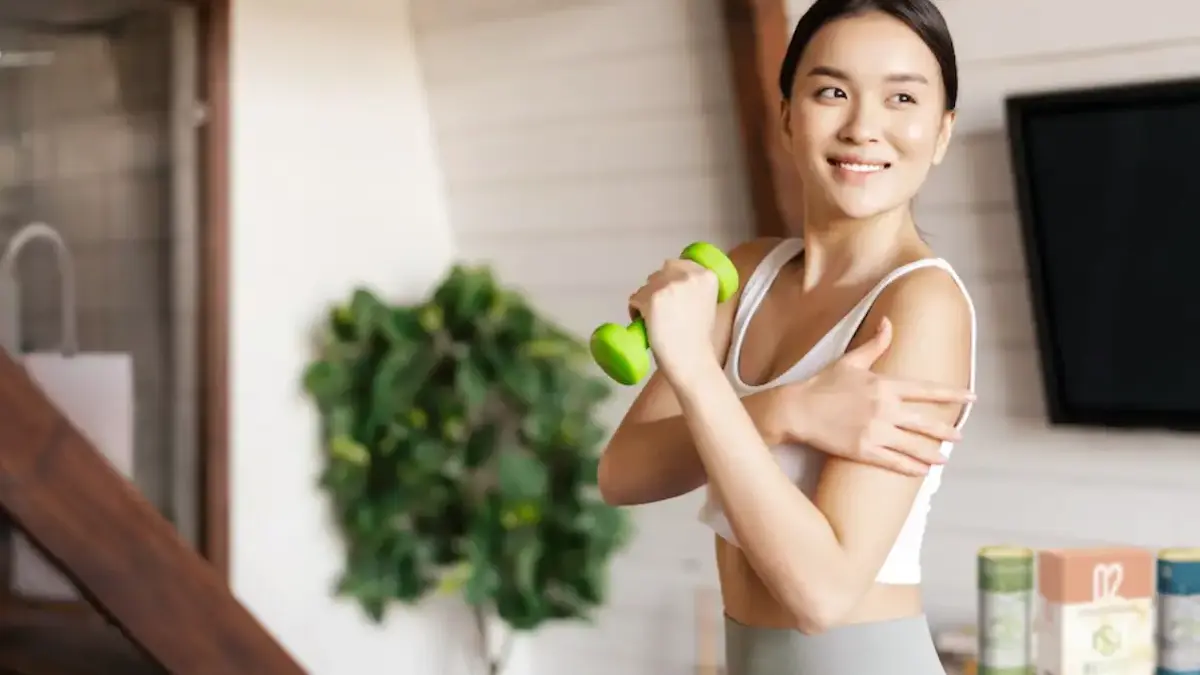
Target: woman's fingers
<point>930,428</point>
<point>637,302</point>
<point>917,446</point>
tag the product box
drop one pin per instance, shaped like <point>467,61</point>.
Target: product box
<point>1097,612</point>
<point>1179,611</point>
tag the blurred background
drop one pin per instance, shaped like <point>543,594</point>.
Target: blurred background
<point>572,145</point>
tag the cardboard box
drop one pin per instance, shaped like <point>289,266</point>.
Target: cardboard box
<point>1097,612</point>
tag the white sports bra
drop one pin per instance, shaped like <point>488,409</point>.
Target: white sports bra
<point>801,463</point>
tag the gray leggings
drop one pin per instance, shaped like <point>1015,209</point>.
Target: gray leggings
<point>896,647</point>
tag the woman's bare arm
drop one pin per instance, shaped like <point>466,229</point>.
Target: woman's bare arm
<point>846,411</point>
<point>651,456</point>
<point>820,556</point>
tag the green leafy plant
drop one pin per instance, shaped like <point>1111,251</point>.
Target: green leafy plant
<point>462,444</point>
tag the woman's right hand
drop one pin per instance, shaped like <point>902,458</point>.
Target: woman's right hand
<point>850,412</point>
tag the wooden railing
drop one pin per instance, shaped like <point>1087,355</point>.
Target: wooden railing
<point>125,558</point>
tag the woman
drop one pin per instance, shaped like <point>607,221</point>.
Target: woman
<point>826,349</point>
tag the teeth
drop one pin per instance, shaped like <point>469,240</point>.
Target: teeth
<point>861,168</point>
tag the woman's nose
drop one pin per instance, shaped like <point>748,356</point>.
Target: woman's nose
<point>862,126</point>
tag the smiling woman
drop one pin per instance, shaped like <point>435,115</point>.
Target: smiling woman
<point>900,55</point>
<point>821,405</point>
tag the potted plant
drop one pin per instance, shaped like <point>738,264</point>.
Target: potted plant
<point>462,442</point>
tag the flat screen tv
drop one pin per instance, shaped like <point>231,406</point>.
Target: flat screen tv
<point>1108,191</point>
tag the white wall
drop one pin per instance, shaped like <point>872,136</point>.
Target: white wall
<point>335,183</point>
<point>584,142</point>
<point>1014,479</point>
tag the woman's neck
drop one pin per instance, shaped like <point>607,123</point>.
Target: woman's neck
<point>840,250</point>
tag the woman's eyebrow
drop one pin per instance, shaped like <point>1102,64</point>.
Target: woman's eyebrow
<point>829,71</point>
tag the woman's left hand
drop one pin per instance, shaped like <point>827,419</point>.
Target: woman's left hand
<point>678,304</point>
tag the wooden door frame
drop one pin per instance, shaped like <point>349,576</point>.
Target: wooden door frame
<point>213,26</point>
<point>215,275</point>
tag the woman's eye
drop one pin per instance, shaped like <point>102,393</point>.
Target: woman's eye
<point>830,92</point>
<point>904,98</point>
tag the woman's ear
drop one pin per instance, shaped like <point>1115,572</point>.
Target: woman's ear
<point>944,134</point>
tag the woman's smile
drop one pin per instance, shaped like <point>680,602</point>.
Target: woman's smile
<point>855,170</point>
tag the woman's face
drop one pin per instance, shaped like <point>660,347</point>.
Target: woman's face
<point>867,117</point>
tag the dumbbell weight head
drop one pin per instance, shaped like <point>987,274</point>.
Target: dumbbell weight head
<point>622,352</point>
<point>714,259</point>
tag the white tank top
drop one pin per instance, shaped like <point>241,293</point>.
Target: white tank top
<point>802,464</point>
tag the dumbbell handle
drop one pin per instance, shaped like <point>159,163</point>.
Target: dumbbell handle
<point>637,327</point>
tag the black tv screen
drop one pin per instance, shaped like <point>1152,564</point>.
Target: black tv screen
<point>1108,192</point>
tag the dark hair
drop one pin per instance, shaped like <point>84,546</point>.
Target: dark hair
<point>922,16</point>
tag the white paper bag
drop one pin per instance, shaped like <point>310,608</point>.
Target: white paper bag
<point>10,313</point>
<point>94,391</point>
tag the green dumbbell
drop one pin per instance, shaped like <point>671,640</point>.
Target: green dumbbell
<point>622,352</point>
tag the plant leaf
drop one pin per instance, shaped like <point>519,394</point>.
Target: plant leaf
<point>471,384</point>
<point>327,382</point>
<point>367,312</point>
<point>481,445</point>
<point>522,478</point>
<point>402,328</point>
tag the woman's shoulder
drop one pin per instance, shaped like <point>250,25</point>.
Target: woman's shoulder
<point>928,279</point>
<point>932,291</point>
<point>934,325</point>
<point>747,255</point>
